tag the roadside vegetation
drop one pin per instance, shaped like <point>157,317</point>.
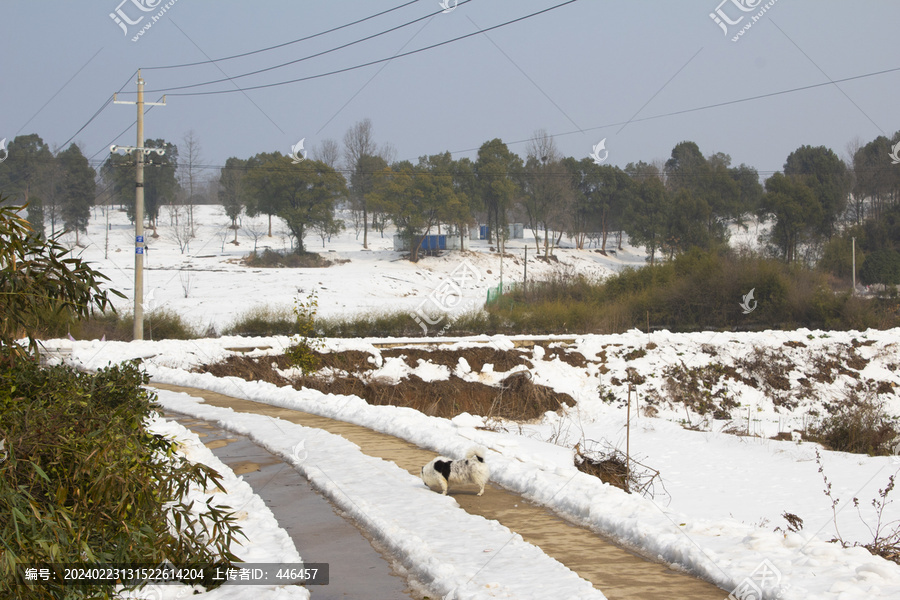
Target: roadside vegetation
<point>81,479</point>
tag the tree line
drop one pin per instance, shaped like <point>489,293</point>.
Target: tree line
<point>690,200</point>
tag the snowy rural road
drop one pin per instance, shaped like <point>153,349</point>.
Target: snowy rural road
<point>356,568</point>
<point>618,573</point>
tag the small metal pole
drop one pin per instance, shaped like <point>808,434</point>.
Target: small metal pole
<point>628,441</point>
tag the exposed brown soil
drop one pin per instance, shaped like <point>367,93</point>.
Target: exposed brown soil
<point>476,357</point>
<point>612,470</point>
<point>574,359</point>
<point>517,398</point>
<point>795,344</point>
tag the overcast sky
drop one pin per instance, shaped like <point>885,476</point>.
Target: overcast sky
<point>585,71</point>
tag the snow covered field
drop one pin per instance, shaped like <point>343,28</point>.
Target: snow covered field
<point>723,494</point>
<point>208,287</point>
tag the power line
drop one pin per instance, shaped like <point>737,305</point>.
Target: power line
<point>298,60</point>
<point>659,116</point>
<point>58,91</point>
<point>282,45</point>
<point>360,66</point>
<point>707,106</point>
<point>96,114</point>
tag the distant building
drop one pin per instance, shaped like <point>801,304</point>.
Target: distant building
<point>515,231</point>
<point>431,243</point>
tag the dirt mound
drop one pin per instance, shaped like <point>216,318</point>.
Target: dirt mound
<point>516,398</point>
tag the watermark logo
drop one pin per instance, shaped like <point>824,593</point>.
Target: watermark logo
<point>4,153</point>
<point>723,20</point>
<point>151,303</point>
<point>152,592</point>
<point>601,147</point>
<point>446,298</point>
<point>895,153</point>
<point>765,577</point>
<point>740,10</point>
<point>123,19</point>
<point>448,6</point>
<point>155,592</point>
<point>747,299</point>
<point>298,154</point>
<point>299,454</point>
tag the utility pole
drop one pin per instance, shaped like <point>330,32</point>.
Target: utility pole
<point>139,152</point>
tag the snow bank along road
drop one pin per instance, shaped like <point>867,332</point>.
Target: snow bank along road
<point>356,569</point>
<point>462,542</point>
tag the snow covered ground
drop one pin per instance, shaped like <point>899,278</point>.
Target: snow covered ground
<point>723,494</point>
<point>209,287</point>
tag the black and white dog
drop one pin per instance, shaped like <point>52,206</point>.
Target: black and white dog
<point>443,471</point>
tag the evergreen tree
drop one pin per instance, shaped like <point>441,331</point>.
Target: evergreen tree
<point>303,195</point>
<point>820,169</point>
<point>796,210</point>
<point>160,185</point>
<point>26,175</point>
<point>78,189</point>
<point>232,190</point>
<point>495,172</point>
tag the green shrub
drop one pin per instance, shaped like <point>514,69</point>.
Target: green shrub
<point>40,283</point>
<point>881,266</point>
<point>696,290</point>
<point>304,354</point>
<point>85,482</point>
<point>837,256</point>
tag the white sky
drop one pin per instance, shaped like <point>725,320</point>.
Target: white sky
<point>570,71</point>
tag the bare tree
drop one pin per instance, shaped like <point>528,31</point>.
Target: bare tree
<point>548,191</point>
<point>186,282</point>
<point>359,150</point>
<point>327,229</point>
<point>254,228</point>
<point>856,207</point>
<point>49,190</point>
<point>190,170</point>
<point>223,233</point>
<point>328,151</point>
<point>183,230</point>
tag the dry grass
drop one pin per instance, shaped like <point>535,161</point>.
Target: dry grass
<point>610,465</point>
<point>611,470</point>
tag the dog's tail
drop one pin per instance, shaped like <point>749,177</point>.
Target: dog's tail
<point>476,452</point>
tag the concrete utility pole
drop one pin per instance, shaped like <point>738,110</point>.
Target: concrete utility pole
<point>139,152</point>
